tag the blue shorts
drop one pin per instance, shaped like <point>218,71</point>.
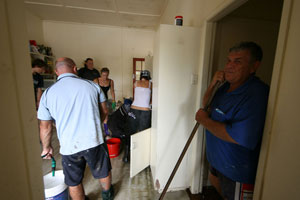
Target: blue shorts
<point>74,165</point>
<point>232,190</point>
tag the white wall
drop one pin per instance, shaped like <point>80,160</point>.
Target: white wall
<point>155,79</point>
<point>174,102</point>
<point>34,28</point>
<point>110,47</point>
<point>21,171</point>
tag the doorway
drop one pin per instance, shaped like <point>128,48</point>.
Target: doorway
<point>243,24</point>
<point>251,20</point>
<point>138,66</point>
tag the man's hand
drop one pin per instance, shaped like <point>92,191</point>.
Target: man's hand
<point>47,153</point>
<point>218,77</point>
<point>201,116</point>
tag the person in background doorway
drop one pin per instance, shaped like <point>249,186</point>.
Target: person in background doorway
<point>38,67</point>
<point>234,127</point>
<point>139,116</point>
<point>107,84</point>
<point>88,71</point>
<point>77,106</point>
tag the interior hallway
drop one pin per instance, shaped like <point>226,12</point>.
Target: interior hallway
<point>138,188</point>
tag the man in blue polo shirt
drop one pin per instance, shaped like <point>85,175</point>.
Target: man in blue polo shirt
<point>235,122</point>
<point>75,105</point>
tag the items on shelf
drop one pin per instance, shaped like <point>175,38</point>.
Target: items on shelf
<point>40,48</point>
<point>40,51</point>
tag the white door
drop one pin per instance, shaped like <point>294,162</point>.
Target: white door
<point>139,151</point>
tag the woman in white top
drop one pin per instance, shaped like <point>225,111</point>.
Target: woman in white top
<point>139,116</point>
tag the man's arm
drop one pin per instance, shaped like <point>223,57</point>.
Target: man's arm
<point>218,129</point>
<point>45,136</point>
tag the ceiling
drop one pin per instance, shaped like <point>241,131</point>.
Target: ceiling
<point>125,13</point>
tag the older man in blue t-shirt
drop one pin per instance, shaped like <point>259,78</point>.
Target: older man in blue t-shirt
<point>235,122</point>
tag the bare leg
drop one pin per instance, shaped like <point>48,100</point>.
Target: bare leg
<point>215,182</point>
<point>77,192</point>
<point>106,182</point>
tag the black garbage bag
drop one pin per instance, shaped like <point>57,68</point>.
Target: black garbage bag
<point>117,121</point>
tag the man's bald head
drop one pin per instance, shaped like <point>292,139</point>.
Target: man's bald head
<point>65,65</point>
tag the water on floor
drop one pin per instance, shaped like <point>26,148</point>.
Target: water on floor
<point>138,188</point>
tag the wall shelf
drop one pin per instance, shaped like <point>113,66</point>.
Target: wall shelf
<point>42,55</point>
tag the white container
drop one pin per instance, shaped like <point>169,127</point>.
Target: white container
<point>55,187</point>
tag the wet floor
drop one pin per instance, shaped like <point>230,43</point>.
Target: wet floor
<point>138,188</point>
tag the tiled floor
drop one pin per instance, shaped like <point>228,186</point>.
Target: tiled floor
<point>138,188</point>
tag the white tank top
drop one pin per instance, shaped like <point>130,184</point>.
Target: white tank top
<point>142,96</point>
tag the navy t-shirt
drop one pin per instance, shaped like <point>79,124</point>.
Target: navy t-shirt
<point>88,73</point>
<point>38,82</point>
<point>243,111</point>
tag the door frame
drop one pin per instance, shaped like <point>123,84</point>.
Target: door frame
<point>272,102</point>
<point>205,66</point>
<point>209,31</point>
<point>134,60</point>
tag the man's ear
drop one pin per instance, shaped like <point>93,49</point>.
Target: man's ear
<point>56,72</point>
<point>75,69</point>
<point>255,66</point>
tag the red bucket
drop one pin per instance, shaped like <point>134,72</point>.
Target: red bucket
<point>113,145</point>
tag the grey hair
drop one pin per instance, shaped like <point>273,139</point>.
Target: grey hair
<point>65,62</point>
<point>255,50</point>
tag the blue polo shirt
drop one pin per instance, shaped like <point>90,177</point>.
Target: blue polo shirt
<point>73,103</point>
<point>243,111</point>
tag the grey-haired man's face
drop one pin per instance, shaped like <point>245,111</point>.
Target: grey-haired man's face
<point>238,67</point>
